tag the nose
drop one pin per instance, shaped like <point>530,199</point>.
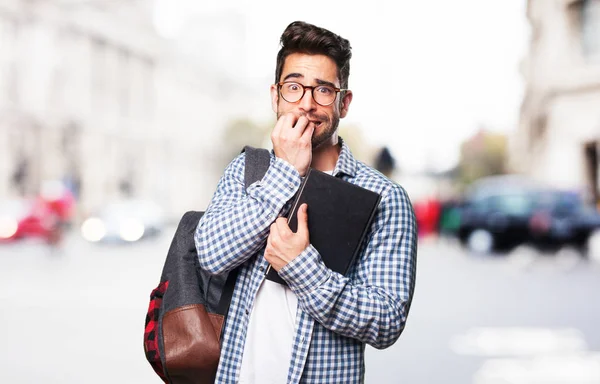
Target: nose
<point>307,103</point>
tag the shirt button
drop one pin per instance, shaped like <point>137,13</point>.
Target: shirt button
<point>247,312</point>
<point>261,268</point>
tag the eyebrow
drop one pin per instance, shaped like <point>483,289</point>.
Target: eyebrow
<point>301,76</point>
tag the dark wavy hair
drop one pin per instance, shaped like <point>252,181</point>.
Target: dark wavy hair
<point>301,37</point>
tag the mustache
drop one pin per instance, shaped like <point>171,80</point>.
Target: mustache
<point>322,118</point>
<point>313,117</point>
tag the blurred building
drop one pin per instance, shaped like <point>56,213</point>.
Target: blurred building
<point>90,94</point>
<point>558,140</point>
<point>481,155</point>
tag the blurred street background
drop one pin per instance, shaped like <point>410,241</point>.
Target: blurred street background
<point>116,117</point>
<point>76,315</point>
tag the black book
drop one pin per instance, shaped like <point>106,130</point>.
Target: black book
<point>339,216</point>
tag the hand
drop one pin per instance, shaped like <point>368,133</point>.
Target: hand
<point>292,141</point>
<point>283,245</point>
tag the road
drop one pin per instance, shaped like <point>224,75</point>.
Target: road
<point>76,315</point>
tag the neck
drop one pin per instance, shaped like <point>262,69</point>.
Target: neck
<point>325,157</point>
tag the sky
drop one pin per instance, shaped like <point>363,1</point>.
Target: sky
<point>426,75</point>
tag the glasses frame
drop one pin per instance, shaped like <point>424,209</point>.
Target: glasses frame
<point>311,87</point>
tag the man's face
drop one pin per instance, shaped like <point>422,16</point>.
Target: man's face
<point>313,70</point>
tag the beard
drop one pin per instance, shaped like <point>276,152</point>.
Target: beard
<point>326,131</point>
<point>327,128</point>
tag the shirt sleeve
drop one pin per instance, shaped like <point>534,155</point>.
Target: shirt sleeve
<point>373,305</point>
<point>236,223</point>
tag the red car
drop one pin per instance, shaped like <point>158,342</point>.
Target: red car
<point>28,218</point>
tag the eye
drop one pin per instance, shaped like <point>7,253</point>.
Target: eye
<point>293,87</point>
<point>325,90</point>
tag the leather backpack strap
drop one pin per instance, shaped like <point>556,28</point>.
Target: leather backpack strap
<point>257,164</point>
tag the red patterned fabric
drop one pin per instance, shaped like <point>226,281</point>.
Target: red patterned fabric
<point>151,332</point>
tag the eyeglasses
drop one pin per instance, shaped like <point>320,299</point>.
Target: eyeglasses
<point>323,95</point>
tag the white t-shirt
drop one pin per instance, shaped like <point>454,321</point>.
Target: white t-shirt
<point>271,330</point>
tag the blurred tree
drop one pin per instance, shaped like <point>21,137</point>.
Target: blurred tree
<point>358,144</point>
<point>484,154</point>
<point>241,132</point>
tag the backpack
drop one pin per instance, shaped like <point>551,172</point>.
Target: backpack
<point>188,309</point>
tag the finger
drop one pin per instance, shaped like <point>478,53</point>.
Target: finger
<point>301,123</point>
<point>284,124</point>
<point>289,120</point>
<point>274,235</point>
<point>303,219</point>
<point>278,126</point>
<point>287,127</point>
<point>273,229</point>
<point>283,227</point>
<point>308,133</point>
<point>268,250</point>
<point>300,127</point>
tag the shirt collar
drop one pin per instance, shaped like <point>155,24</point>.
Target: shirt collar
<point>346,163</point>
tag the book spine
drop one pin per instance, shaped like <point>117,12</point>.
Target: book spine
<point>364,233</point>
<point>298,195</point>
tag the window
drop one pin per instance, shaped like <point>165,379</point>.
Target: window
<point>9,80</point>
<point>590,29</point>
<point>99,76</point>
<point>514,204</point>
<point>124,82</point>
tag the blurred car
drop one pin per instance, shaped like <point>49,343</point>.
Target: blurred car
<point>25,218</point>
<point>498,220</point>
<point>501,212</point>
<point>562,218</point>
<point>59,199</point>
<point>124,221</point>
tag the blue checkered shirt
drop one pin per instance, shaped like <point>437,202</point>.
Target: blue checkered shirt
<point>337,315</point>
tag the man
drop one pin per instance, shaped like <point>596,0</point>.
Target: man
<point>315,331</point>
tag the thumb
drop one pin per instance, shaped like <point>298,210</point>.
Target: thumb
<point>303,219</point>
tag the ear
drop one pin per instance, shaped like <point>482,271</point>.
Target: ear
<point>346,100</point>
<point>274,97</point>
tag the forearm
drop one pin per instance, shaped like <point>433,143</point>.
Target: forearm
<point>373,314</point>
<point>236,224</point>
